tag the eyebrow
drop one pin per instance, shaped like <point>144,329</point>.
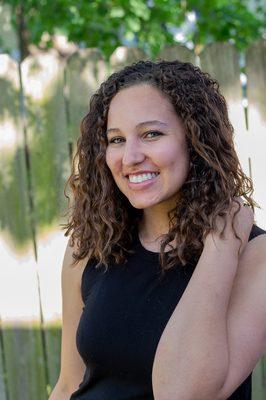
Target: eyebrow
<point>140,125</point>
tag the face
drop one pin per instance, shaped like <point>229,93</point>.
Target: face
<point>148,160</point>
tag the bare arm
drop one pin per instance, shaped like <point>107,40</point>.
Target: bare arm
<point>193,347</point>
<point>72,366</point>
<point>193,356</point>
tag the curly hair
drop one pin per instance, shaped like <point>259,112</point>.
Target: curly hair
<point>102,218</point>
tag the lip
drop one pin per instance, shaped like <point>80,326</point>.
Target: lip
<point>142,185</point>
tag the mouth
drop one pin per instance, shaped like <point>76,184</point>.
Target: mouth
<point>142,177</point>
<point>138,184</point>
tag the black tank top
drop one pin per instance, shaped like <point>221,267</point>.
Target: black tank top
<point>126,310</point>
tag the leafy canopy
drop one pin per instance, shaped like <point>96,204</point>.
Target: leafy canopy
<point>147,24</point>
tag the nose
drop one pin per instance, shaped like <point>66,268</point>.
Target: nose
<point>133,153</point>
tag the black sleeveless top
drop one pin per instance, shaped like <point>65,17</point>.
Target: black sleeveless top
<point>126,310</point>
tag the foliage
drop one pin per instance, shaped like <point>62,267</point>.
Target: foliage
<point>148,24</point>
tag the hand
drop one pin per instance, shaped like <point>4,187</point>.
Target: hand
<point>243,222</point>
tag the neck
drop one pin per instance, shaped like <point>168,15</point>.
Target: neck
<point>153,225</point>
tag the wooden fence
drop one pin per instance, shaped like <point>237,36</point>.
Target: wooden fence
<point>41,105</point>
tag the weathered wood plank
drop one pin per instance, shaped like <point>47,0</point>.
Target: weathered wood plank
<point>43,82</point>
<point>3,388</point>
<point>220,60</point>
<point>256,89</point>
<point>123,56</point>
<point>258,388</point>
<point>85,70</point>
<point>177,52</point>
<point>19,302</point>
<point>51,249</point>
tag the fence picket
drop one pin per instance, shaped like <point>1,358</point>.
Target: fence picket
<point>43,82</point>
<point>177,52</point>
<point>220,60</point>
<point>124,55</point>
<point>256,89</point>
<point>19,303</point>
<point>84,71</point>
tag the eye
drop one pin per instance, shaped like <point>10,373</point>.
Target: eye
<point>114,140</point>
<point>157,133</point>
<point>117,139</point>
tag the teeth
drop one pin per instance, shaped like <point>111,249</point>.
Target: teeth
<point>142,177</point>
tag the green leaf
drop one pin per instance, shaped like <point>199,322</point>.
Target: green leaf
<point>133,23</point>
<point>117,12</point>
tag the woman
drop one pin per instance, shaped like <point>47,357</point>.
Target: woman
<point>164,276</point>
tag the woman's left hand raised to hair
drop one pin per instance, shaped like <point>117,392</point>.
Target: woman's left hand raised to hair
<point>243,223</point>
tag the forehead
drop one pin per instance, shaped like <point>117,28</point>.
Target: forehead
<point>140,102</point>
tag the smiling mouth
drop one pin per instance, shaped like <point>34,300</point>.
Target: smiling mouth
<point>143,178</point>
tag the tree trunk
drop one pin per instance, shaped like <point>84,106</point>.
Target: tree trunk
<point>22,32</point>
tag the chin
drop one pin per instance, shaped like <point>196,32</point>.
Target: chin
<point>141,205</point>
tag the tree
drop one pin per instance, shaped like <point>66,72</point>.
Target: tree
<point>148,24</point>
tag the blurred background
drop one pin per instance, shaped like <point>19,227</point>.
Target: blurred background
<point>53,56</point>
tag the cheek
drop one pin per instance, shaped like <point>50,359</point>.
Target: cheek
<point>171,157</point>
<point>161,156</point>
<point>176,160</point>
<point>112,161</point>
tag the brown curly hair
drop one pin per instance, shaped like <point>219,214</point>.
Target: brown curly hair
<point>102,218</point>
